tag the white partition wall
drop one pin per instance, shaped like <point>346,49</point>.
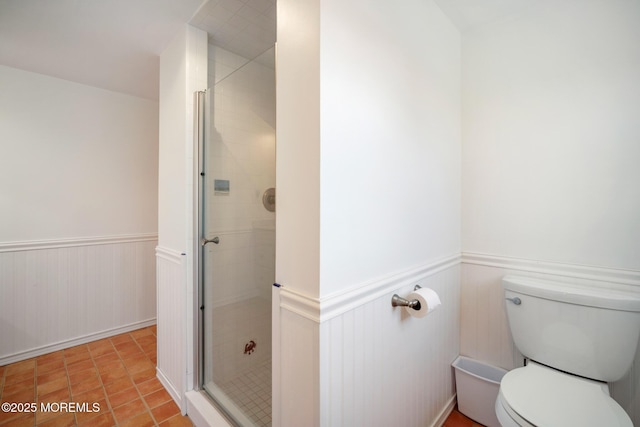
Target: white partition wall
<point>183,70</point>
<point>368,182</point>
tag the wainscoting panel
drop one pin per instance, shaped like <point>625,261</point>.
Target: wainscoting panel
<point>171,321</point>
<point>484,331</point>
<point>387,368</point>
<point>58,294</point>
<point>378,366</point>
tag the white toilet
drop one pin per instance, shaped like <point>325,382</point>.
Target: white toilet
<point>575,339</point>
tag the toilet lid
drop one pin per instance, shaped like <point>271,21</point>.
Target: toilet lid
<point>546,397</point>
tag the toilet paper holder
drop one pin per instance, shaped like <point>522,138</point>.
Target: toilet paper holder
<point>398,301</point>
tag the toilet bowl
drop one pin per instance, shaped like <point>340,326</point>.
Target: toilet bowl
<point>575,339</point>
<point>537,395</point>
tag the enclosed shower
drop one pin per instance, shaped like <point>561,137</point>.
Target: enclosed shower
<point>236,231</point>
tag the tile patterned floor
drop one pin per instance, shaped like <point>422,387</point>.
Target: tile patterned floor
<point>117,373</point>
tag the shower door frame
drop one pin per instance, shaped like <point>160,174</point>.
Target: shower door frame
<point>201,112</point>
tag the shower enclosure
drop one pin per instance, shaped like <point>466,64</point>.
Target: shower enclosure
<point>236,231</point>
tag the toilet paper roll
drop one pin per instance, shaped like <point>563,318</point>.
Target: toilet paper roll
<point>429,301</point>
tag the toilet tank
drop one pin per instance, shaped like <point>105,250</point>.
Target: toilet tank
<point>591,331</point>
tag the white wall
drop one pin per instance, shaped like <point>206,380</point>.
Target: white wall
<point>379,119</point>
<point>549,162</point>
<point>390,139</point>
<point>551,101</point>
<point>77,161</point>
<point>78,224</point>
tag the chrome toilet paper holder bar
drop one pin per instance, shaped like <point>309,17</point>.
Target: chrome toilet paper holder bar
<point>398,301</point>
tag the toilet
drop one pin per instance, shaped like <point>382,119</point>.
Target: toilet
<point>575,340</point>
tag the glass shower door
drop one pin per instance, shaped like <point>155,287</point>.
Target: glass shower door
<point>237,202</point>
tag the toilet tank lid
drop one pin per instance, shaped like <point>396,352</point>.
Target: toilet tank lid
<point>593,296</point>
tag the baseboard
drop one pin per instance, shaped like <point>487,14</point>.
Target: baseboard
<point>446,411</point>
<point>175,394</point>
<point>61,345</point>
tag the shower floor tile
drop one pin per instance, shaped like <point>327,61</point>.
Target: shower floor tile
<point>252,393</point>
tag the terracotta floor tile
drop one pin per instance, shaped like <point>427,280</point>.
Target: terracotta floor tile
<point>130,351</point>
<point>122,338</point>
<point>46,415</point>
<point>139,364</point>
<point>67,419</point>
<point>20,367</point>
<point>27,394</point>
<point>61,395</point>
<point>106,358</point>
<point>118,385</point>
<point>142,376</point>
<point>101,351</point>
<point>165,411</point>
<point>23,386</point>
<point>79,366</point>
<point>51,375</point>
<point>103,420</point>
<point>129,410</point>
<point>91,396</point>
<point>100,345</point>
<point>148,346</point>
<point>104,342</point>
<point>142,420</point>
<point>157,398</point>
<point>27,420</point>
<point>52,386</point>
<point>56,356</point>
<point>50,365</point>
<point>177,421</point>
<point>82,376</point>
<point>92,409</point>
<point>78,357</point>
<point>457,419</point>
<point>85,386</point>
<point>9,416</point>
<point>114,373</point>
<point>139,333</point>
<point>20,377</point>
<point>78,349</point>
<point>122,397</point>
<point>149,386</point>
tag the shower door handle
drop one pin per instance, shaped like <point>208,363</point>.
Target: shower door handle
<point>215,240</point>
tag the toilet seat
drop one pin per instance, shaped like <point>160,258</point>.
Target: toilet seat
<point>544,397</point>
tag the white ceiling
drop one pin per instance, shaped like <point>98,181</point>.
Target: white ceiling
<point>110,44</point>
<point>115,44</point>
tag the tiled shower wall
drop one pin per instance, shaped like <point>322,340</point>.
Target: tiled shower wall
<point>239,272</point>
